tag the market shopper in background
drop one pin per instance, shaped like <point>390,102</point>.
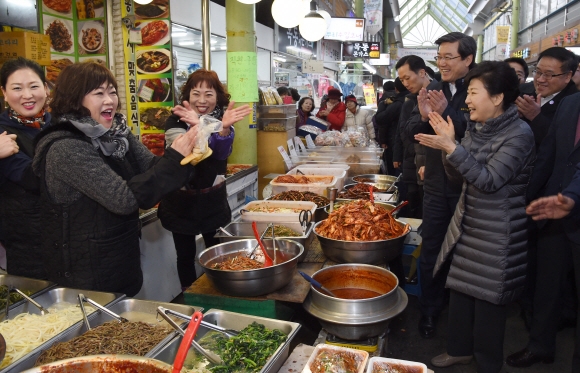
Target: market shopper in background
<point>486,238</point>
<point>94,177</point>
<point>387,118</point>
<point>455,57</point>
<point>202,205</point>
<point>25,90</point>
<point>520,66</point>
<point>413,74</point>
<point>557,241</point>
<point>357,119</point>
<point>295,95</point>
<point>304,111</point>
<point>333,110</point>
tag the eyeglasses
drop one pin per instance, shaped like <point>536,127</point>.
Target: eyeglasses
<point>547,76</point>
<point>446,58</point>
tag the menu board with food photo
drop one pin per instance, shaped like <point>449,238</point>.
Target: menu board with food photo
<point>151,62</point>
<point>78,33</point>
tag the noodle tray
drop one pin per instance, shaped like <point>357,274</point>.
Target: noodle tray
<point>238,321</point>
<point>56,297</point>
<point>34,286</point>
<point>328,359</point>
<point>243,230</point>
<point>386,365</point>
<point>278,211</point>
<point>132,310</point>
<point>339,173</point>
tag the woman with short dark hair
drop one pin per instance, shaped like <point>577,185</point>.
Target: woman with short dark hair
<point>25,91</point>
<point>94,177</point>
<point>487,236</point>
<point>202,205</point>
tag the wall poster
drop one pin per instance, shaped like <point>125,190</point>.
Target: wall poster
<point>77,31</point>
<point>148,70</point>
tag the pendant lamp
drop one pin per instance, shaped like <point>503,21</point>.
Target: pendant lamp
<point>313,26</point>
<point>143,2</point>
<point>286,13</point>
<point>249,1</point>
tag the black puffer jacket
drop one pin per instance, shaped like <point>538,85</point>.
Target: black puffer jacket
<point>436,181</point>
<point>19,203</point>
<point>91,241</point>
<point>487,235</point>
<point>404,147</point>
<point>387,118</point>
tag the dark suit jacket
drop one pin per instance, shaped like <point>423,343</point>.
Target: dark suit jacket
<point>557,158</point>
<point>542,121</point>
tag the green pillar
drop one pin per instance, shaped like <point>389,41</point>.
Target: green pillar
<point>385,35</point>
<point>359,12</point>
<point>515,27</point>
<point>241,37</point>
<point>479,54</point>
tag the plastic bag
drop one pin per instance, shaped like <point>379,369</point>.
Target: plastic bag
<point>207,125</point>
<point>332,138</point>
<point>359,138</point>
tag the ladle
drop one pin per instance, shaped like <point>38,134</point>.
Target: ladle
<point>316,284</point>
<point>228,332</point>
<point>208,354</point>
<point>43,311</point>
<point>82,298</point>
<point>267,260</point>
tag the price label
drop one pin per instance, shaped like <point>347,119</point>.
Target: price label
<point>309,142</point>
<point>285,156</point>
<point>298,144</point>
<point>291,148</point>
<point>312,66</point>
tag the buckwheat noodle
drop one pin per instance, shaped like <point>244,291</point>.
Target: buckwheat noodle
<point>27,331</point>
<point>132,338</point>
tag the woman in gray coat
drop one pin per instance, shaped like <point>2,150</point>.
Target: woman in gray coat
<point>487,236</point>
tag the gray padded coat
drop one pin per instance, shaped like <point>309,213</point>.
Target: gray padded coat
<point>487,235</point>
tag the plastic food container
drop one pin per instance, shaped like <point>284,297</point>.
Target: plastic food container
<point>317,184</point>
<point>276,111</point>
<point>276,216</point>
<point>339,173</point>
<point>333,358</point>
<point>384,365</point>
<point>276,124</point>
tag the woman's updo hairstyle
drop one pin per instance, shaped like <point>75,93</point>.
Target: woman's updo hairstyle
<point>497,77</point>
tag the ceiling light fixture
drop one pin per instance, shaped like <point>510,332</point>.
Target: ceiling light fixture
<point>187,42</point>
<point>369,68</point>
<point>178,34</point>
<point>143,2</point>
<point>286,13</point>
<point>278,58</point>
<point>313,26</point>
<point>249,1</point>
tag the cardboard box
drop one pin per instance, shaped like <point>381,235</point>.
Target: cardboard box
<point>29,45</point>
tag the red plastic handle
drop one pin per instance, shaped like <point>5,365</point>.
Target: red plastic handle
<point>371,195</point>
<point>186,341</point>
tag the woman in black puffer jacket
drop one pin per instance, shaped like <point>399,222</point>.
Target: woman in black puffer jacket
<point>487,235</point>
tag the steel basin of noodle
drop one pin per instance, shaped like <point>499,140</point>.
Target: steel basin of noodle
<point>252,282</point>
<point>362,251</point>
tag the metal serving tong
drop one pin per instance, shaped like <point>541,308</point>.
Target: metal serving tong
<point>228,332</point>
<point>83,299</point>
<point>43,311</point>
<point>253,252</point>
<point>212,357</point>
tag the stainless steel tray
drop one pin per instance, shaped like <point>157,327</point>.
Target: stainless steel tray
<point>48,299</point>
<point>243,230</point>
<point>24,283</point>
<point>238,321</point>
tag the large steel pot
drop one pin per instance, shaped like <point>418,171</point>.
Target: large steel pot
<point>365,252</point>
<point>356,319</point>
<point>104,364</point>
<point>253,282</point>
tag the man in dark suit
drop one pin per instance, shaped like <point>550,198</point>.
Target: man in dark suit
<point>455,57</point>
<point>558,242</point>
<point>552,82</point>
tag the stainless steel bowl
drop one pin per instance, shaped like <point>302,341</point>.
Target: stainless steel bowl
<point>356,319</point>
<point>382,187</point>
<point>340,201</point>
<point>365,252</point>
<point>253,282</point>
<point>375,178</point>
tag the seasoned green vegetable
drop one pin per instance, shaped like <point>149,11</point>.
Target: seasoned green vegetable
<point>12,297</point>
<point>249,350</point>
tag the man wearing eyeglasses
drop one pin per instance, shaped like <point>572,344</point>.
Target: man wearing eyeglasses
<point>552,82</point>
<point>455,57</point>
